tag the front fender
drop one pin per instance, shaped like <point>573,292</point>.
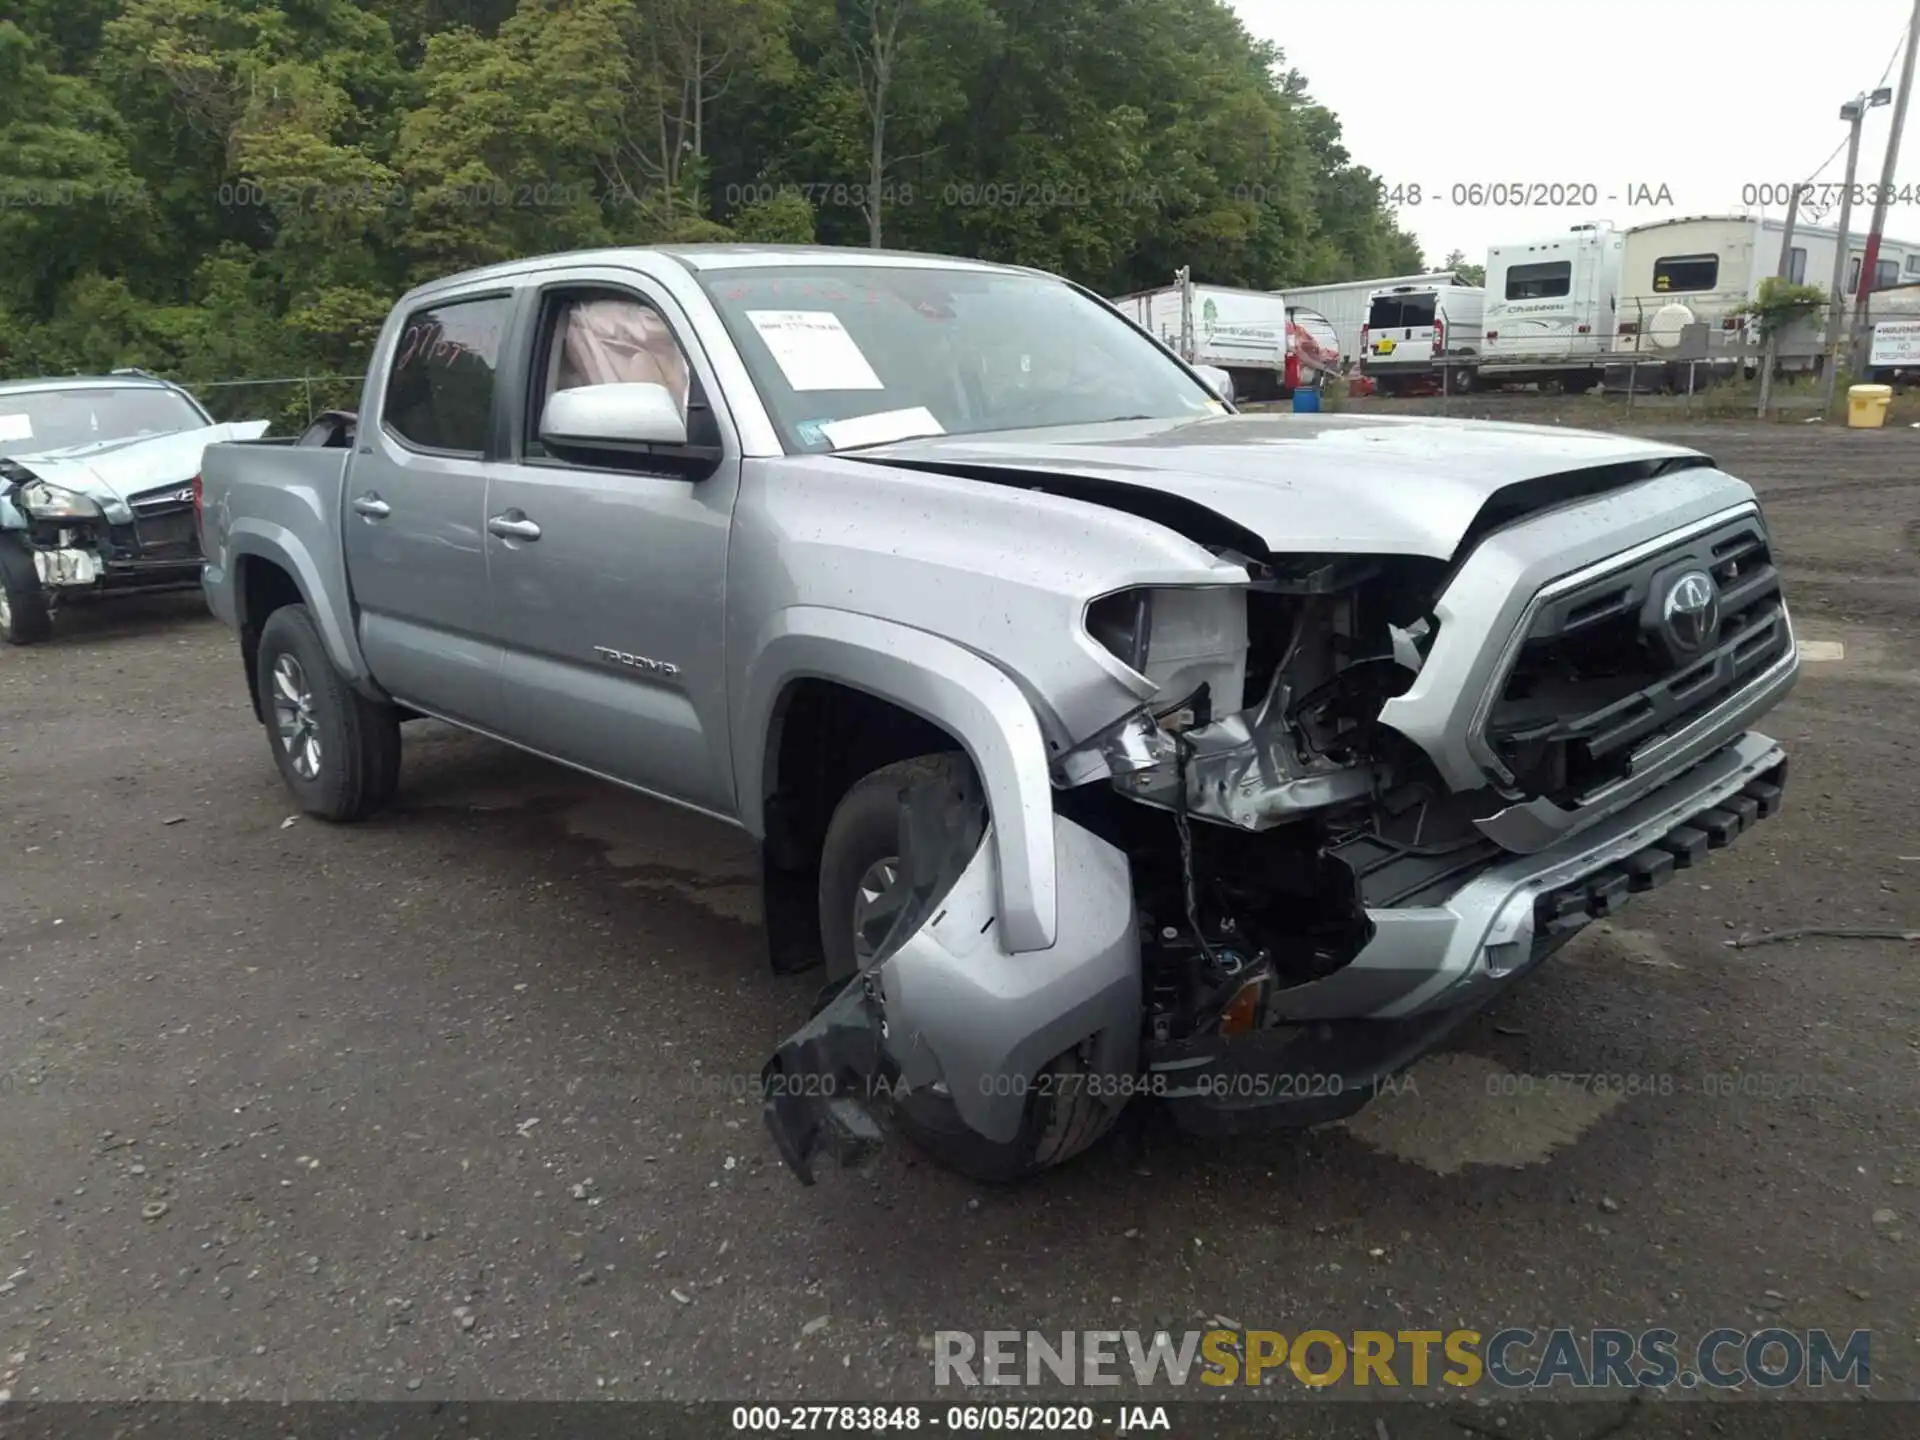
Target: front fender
<point>324,593</point>
<point>947,685</point>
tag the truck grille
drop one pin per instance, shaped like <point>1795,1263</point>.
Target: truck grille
<point>1636,653</point>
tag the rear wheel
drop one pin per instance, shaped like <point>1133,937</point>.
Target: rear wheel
<point>863,889</point>
<point>1460,381</point>
<point>337,751</point>
<point>24,616</point>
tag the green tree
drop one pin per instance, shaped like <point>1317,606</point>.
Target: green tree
<point>230,188</point>
<point>1456,261</point>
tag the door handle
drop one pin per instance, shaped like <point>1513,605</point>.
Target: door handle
<point>372,506</point>
<point>513,526</point>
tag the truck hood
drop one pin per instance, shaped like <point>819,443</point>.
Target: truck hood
<point>119,470</point>
<point>1380,485</point>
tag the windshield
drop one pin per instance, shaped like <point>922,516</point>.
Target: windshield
<point>33,422</point>
<point>851,355</point>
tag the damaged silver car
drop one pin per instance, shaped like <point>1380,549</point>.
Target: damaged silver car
<point>1103,743</point>
<point>99,479</point>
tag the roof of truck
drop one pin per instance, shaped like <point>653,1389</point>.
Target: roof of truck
<point>721,257</point>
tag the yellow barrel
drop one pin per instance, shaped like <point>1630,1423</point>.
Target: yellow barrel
<point>1867,406</point>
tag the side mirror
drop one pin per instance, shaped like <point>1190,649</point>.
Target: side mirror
<point>611,416</point>
<point>1217,380</point>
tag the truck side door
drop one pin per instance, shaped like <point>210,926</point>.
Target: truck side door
<point>413,534</point>
<point>608,570</point>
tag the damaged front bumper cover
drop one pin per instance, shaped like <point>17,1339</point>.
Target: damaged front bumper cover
<point>950,1021</point>
<point>1427,969</point>
<point>950,1018</point>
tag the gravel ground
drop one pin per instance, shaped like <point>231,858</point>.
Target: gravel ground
<point>452,1104</point>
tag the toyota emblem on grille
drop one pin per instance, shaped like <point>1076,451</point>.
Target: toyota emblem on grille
<point>1691,611</point>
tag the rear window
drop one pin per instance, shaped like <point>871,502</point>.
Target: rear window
<point>1540,282</point>
<point>1681,273</point>
<point>1395,312</point>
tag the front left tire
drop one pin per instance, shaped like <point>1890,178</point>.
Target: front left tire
<point>861,888</point>
<point>337,751</point>
<point>24,616</point>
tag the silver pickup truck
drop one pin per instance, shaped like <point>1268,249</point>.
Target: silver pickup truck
<point>1100,742</point>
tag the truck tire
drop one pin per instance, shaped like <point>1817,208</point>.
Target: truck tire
<point>861,849</point>
<point>24,617</point>
<point>1461,380</point>
<point>338,751</point>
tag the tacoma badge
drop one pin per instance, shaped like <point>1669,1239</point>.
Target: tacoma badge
<point>636,662</point>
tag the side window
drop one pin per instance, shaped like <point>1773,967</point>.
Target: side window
<point>1853,275</point>
<point>1796,266</point>
<point>595,337</point>
<point>1682,274</point>
<point>1540,282</point>
<point>1886,274</point>
<point>439,390</point>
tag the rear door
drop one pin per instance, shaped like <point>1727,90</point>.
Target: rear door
<point>416,502</point>
<point>1400,330</point>
<point>609,570</point>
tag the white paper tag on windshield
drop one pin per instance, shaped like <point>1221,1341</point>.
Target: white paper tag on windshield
<point>16,427</point>
<point>814,350</point>
<point>879,429</point>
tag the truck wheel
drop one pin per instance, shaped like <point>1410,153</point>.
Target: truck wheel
<point>860,885</point>
<point>1460,381</point>
<point>24,617</point>
<point>338,751</point>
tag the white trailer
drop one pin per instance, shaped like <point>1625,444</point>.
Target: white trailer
<point>1552,305</point>
<point>1345,304</point>
<point>1699,270</point>
<point>1265,343</point>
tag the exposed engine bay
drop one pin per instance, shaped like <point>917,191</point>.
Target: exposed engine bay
<point>1271,807</point>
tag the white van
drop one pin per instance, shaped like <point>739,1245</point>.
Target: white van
<point>1552,306</point>
<point>1423,336</point>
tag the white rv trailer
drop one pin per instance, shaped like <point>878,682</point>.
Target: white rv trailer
<point>1345,304</point>
<point>1698,270</point>
<point>1267,344</point>
<point>1551,307</point>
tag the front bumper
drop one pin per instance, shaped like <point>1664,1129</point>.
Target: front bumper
<point>70,570</point>
<point>1427,969</point>
<point>950,1012</point>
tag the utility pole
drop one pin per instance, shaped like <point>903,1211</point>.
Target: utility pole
<point>1862,336</point>
<point>1854,112</point>
<point>1183,277</point>
<point>1770,354</point>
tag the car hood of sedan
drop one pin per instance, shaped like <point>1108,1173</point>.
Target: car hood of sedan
<point>123,469</point>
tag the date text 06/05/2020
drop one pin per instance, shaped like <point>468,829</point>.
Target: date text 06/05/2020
<point>960,1419</point>
<point>1529,194</point>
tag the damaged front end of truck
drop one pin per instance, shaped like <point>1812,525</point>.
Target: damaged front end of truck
<point>1369,791</point>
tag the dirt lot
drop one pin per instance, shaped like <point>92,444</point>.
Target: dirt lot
<point>451,1104</point>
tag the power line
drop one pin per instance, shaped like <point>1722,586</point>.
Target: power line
<point>1894,56</point>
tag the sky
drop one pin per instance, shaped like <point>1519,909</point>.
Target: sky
<point>1626,105</point>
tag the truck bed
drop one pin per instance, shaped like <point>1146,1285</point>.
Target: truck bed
<point>288,502</point>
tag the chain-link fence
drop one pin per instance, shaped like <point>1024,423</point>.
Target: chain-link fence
<point>288,402</point>
<point>1651,358</point>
